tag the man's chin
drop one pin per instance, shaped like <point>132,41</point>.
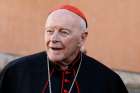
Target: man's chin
<point>55,59</point>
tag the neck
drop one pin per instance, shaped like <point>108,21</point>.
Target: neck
<point>66,62</point>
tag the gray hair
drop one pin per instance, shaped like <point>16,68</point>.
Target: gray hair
<point>83,25</point>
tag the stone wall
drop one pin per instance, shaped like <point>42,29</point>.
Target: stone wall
<point>131,80</point>
<point>5,58</point>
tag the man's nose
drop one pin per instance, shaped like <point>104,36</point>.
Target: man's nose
<point>54,37</point>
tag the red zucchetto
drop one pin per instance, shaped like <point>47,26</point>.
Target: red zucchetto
<point>73,9</point>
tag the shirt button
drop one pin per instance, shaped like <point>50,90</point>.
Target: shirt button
<point>67,81</point>
<point>65,91</point>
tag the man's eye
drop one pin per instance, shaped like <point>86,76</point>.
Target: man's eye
<point>49,31</point>
<point>65,32</point>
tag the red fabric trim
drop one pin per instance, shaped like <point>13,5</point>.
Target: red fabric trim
<point>75,61</point>
<point>46,83</point>
<point>77,85</point>
<point>62,82</point>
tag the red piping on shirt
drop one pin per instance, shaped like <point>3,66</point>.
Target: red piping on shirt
<point>46,83</point>
<point>77,85</point>
<point>62,82</point>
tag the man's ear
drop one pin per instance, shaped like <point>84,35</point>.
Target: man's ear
<point>84,36</point>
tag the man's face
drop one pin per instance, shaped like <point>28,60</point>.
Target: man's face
<point>63,36</point>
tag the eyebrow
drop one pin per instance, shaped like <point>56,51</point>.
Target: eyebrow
<point>50,27</point>
<point>66,29</point>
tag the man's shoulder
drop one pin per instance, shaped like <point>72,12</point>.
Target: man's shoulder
<point>27,60</point>
<point>94,63</point>
<point>97,67</point>
<point>98,75</point>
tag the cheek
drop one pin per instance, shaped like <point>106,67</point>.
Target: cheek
<point>72,42</point>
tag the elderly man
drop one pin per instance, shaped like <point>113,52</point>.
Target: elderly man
<point>63,68</point>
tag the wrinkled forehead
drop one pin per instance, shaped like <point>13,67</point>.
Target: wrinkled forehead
<point>63,17</point>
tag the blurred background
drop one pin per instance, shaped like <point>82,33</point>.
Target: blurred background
<point>113,26</point>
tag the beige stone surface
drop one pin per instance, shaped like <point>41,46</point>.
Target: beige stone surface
<point>131,80</point>
<point>5,58</point>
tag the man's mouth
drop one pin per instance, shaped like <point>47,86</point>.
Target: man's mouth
<point>56,49</point>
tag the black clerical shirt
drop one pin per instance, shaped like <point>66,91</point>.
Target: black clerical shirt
<point>29,75</point>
